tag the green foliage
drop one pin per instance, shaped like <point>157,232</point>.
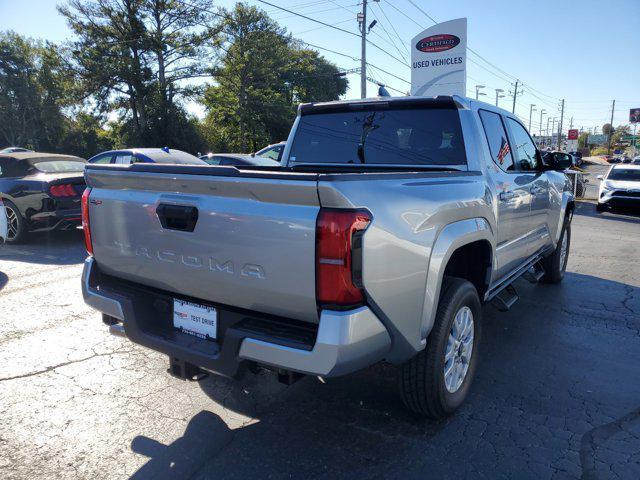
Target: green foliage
<point>263,75</point>
<point>582,140</point>
<point>138,62</point>
<point>135,58</point>
<point>34,88</point>
<point>618,133</point>
<point>599,151</point>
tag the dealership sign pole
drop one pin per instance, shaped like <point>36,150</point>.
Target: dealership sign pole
<point>634,118</point>
<point>572,140</point>
<point>439,60</point>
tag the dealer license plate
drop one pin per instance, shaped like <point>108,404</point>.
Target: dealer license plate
<point>195,319</point>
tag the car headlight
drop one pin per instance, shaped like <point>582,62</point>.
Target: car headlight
<point>607,185</point>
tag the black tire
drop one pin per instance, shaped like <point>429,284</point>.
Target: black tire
<point>422,379</point>
<point>554,266</point>
<point>601,207</point>
<point>16,223</point>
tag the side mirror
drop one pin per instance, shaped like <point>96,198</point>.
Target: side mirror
<point>600,177</point>
<point>560,161</point>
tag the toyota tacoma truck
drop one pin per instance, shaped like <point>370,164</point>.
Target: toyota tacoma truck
<point>388,225</point>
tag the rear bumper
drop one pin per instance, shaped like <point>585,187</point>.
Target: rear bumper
<point>341,343</point>
<point>55,220</point>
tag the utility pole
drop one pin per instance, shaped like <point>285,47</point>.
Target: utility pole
<point>547,131</point>
<point>560,126</point>
<point>542,110</point>
<point>613,107</point>
<point>362,19</point>
<point>531,109</point>
<point>515,95</point>
<point>364,30</point>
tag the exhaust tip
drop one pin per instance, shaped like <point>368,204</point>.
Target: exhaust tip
<point>117,330</point>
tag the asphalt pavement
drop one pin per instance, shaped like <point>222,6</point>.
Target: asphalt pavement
<point>557,392</point>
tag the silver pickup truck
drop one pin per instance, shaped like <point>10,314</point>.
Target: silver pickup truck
<point>389,224</point>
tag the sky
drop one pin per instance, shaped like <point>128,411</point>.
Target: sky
<point>585,52</point>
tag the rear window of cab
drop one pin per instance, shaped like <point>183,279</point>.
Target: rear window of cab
<point>380,137</point>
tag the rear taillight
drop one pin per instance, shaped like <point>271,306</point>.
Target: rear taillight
<point>337,259</point>
<point>65,190</point>
<point>85,221</point>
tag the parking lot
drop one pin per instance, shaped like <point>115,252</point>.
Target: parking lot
<point>557,393</point>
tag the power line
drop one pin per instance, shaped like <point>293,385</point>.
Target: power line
<point>392,27</point>
<point>391,41</point>
<point>321,26</point>
<point>403,62</point>
<point>310,19</point>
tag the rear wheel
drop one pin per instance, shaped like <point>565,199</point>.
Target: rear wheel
<point>16,224</point>
<point>435,382</point>
<point>555,264</point>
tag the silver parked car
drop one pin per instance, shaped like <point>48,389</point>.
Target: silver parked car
<point>390,223</point>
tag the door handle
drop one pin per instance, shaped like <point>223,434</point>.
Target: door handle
<point>506,196</point>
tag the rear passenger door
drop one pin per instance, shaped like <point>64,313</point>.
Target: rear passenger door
<point>512,197</point>
<point>527,161</point>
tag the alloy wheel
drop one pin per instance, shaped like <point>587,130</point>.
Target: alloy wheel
<point>12,223</point>
<point>459,349</point>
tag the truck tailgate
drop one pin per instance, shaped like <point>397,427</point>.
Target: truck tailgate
<point>252,243</point>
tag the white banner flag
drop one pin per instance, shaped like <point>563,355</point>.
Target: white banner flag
<point>439,60</point>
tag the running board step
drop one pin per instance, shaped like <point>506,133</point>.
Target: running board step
<point>506,298</point>
<point>534,274</point>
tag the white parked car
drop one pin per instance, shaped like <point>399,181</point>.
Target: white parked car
<point>619,187</point>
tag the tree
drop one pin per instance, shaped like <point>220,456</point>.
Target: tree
<point>109,56</point>
<point>618,133</point>
<point>607,128</point>
<point>583,141</point>
<point>136,57</point>
<point>178,34</point>
<point>35,87</point>
<point>262,76</point>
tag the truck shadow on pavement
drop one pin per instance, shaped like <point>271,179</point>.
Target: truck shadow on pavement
<point>542,404</point>
<point>205,436</point>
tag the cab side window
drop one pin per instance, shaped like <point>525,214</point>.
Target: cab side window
<point>103,159</point>
<point>524,149</point>
<point>497,138</point>
<point>124,159</point>
<point>273,153</point>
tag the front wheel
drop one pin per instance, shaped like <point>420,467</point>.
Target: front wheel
<point>555,264</point>
<point>435,382</point>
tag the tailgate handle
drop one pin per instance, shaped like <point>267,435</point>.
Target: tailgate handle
<point>177,217</point>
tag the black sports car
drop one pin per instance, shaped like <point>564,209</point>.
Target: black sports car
<point>41,192</point>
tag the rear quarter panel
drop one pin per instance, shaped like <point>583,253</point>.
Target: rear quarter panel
<point>410,211</point>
